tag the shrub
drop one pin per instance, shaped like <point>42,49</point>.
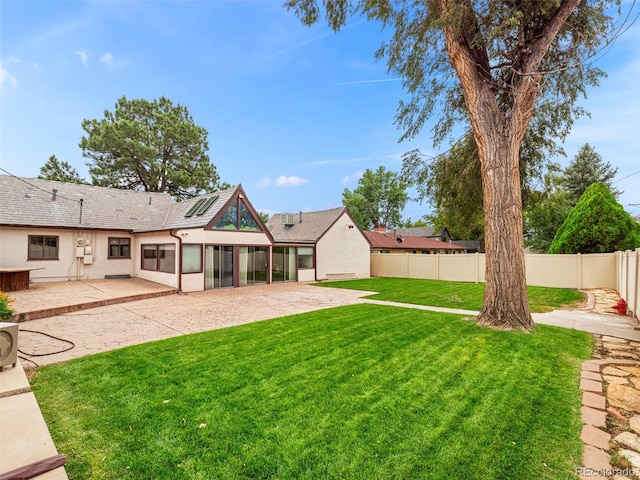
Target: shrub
<point>6,310</point>
<point>597,224</point>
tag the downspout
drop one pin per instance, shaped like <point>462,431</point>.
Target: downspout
<point>179,261</point>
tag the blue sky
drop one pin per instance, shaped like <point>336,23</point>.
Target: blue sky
<point>295,114</point>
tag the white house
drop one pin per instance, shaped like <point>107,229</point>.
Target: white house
<point>328,245</point>
<point>66,231</point>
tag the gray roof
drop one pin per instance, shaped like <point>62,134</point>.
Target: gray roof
<point>421,231</point>
<point>307,227</point>
<point>30,202</point>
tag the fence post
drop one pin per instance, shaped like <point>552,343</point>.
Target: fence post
<point>477,267</point>
<point>437,266</point>
<point>579,270</point>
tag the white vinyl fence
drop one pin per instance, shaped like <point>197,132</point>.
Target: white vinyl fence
<point>628,278</point>
<point>619,271</point>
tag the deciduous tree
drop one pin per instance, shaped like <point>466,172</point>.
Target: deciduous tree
<point>509,58</point>
<point>150,146</point>
<point>378,199</point>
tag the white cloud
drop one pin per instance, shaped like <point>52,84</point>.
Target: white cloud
<point>290,181</point>
<point>107,60</point>
<point>349,179</point>
<point>84,57</point>
<point>264,182</point>
<point>6,79</point>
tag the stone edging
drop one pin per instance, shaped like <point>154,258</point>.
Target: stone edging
<point>596,461</point>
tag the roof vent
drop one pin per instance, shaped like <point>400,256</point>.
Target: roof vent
<point>54,194</point>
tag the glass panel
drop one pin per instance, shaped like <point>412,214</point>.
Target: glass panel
<point>305,257</point>
<point>191,258</point>
<point>167,258</point>
<point>245,275</point>
<point>247,222</point>
<point>226,266</point>
<point>149,260</point>
<point>260,264</point>
<point>277,264</point>
<point>292,271</point>
<point>229,221</point>
<point>210,254</point>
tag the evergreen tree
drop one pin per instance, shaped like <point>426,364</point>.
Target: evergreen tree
<point>587,168</point>
<point>54,169</point>
<point>150,146</point>
<point>597,224</point>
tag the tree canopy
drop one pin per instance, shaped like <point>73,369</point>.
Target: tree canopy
<point>597,224</point>
<point>378,199</point>
<point>54,169</point>
<point>489,65</point>
<point>151,146</point>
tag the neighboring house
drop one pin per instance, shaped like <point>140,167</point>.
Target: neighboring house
<point>67,231</point>
<point>319,245</point>
<point>429,232</point>
<point>392,242</point>
<point>472,246</point>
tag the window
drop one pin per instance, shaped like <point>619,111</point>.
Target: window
<point>305,257</point>
<point>43,248</point>
<point>229,221</point>
<point>119,247</point>
<point>161,258</point>
<point>237,217</point>
<point>191,258</point>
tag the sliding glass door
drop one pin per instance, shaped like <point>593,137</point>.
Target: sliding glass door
<point>284,264</point>
<point>252,265</point>
<point>218,271</point>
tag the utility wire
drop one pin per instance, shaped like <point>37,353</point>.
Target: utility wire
<point>48,192</point>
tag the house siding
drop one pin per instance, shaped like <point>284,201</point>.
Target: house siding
<point>342,250</point>
<point>14,244</point>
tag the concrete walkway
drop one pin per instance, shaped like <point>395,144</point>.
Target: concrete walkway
<point>133,311</point>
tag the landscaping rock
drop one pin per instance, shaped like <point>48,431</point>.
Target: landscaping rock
<point>595,458</point>
<point>592,375</point>
<point>587,385</point>
<point>615,371</point>
<point>635,371</point>
<point>632,456</point>
<point>635,381</point>
<point>634,423</point>
<point>624,397</point>
<point>593,400</point>
<point>623,354</point>
<point>612,379</point>
<point>629,440</point>
<point>615,413</point>
<point>607,338</point>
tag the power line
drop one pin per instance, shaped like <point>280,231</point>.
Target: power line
<point>37,187</point>
<point>624,178</point>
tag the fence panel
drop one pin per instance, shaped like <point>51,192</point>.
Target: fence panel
<point>560,271</point>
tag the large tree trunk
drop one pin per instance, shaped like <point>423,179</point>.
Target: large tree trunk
<point>498,135</point>
<point>505,299</point>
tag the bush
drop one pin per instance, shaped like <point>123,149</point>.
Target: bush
<point>6,310</point>
<point>597,224</point>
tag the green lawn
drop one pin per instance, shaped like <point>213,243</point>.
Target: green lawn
<point>466,296</point>
<point>355,392</point>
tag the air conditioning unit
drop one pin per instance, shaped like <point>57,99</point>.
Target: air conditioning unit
<point>8,345</point>
<point>286,219</point>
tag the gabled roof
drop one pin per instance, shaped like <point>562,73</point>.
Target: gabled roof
<point>306,227</point>
<point>177,219</point>
<point>392,240</point>
<point>30,202</point>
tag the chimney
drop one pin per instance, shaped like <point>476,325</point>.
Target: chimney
<point>300,216</point>
<point>55,193</point>
<point>380,229</point>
